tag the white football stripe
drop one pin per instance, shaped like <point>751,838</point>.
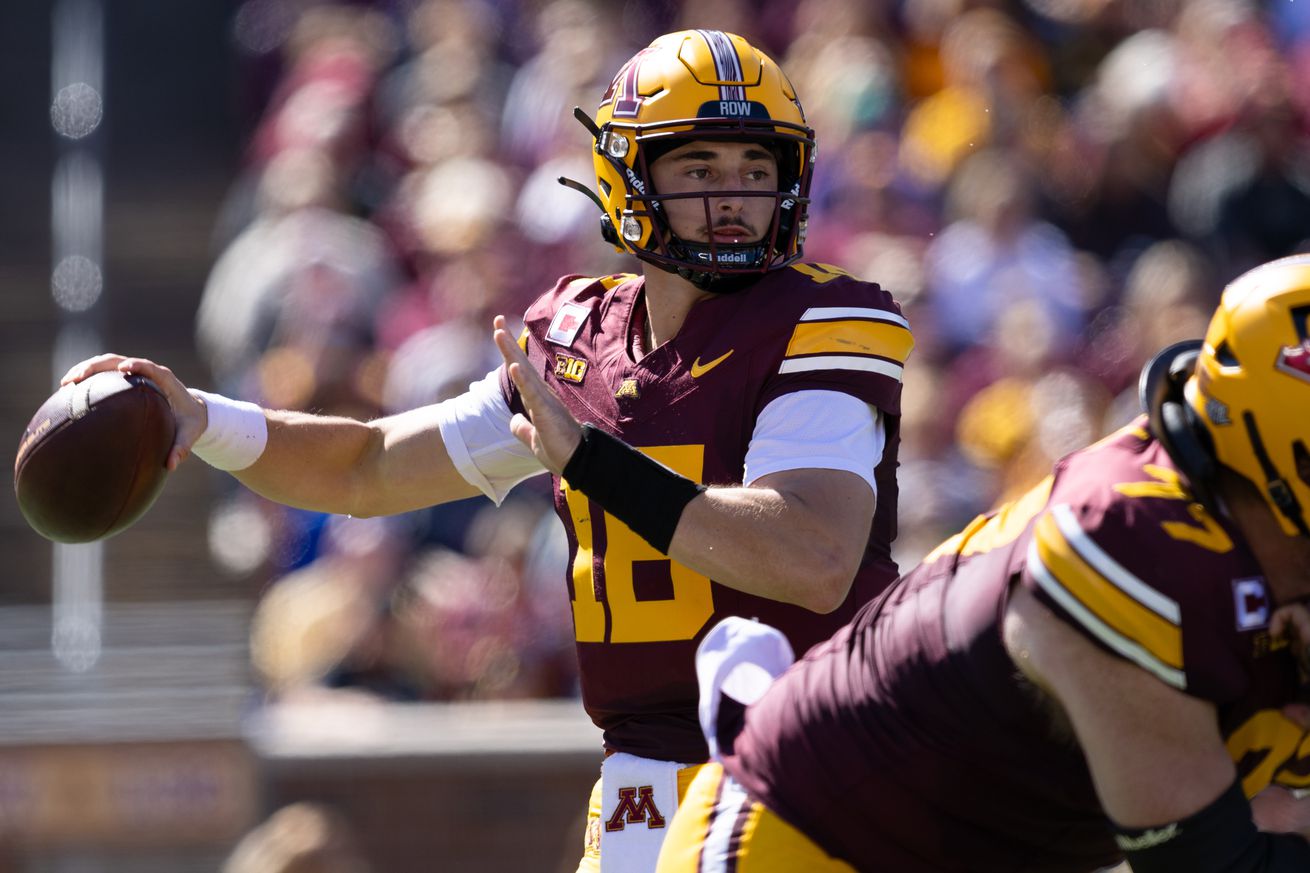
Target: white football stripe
<point>1111,569</point>
<point>823,313</point>
<point>1106,634</point>
<point>842,362</point>
<point>726,64</point>
<point>718,842</point>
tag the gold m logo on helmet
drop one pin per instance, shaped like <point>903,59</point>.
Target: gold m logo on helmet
<point>636,805</point>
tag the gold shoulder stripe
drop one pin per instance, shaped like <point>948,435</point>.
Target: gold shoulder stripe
<point>523,340</point>
<point>1087,548</point>
<point>612,282</point>
<point>851,338</point>
<point>1118,609</point>
<point>1099,629</point>
<point>609,283</point>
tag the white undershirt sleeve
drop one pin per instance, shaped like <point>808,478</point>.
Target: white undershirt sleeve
<point>826,430</point>
<point>475,428</point>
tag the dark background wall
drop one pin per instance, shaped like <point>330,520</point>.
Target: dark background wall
<point>168,144</point>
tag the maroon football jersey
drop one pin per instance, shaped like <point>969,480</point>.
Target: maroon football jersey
<point>692,404</point>
<point>908,742</point>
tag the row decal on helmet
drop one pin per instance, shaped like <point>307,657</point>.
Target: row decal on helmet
<point>726,64</point>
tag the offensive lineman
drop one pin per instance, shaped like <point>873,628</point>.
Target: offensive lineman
<point>1110,667</point>
<point>731,363</point>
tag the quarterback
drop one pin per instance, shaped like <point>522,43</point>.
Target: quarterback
<point>722,429</point>
<point>1112,667</point>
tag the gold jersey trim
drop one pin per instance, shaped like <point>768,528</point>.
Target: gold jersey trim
<point>851,337</point>
<point>1117,607</point>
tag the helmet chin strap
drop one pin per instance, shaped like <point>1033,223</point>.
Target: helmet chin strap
<point>1275,485</point>
<point>718,283</point>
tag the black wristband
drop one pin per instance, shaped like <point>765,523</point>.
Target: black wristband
<point>637,490</point>
<point>1221,838</point>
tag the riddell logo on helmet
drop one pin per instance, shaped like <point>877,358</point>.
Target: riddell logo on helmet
<point>726,257</point>
<point>794,192</point>
<point>635,181</point>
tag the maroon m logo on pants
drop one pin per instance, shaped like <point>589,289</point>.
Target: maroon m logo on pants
<point>635,806</point>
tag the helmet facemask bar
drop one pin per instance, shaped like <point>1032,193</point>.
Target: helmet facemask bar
<point>779,245</point>
<point>720,258</point>
<point>1276,490</point>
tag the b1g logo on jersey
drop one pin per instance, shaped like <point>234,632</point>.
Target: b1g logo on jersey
<point>570,369</point>
<point>636,805</point>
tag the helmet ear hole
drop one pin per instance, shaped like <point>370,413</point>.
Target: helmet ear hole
<point>1224,355</point>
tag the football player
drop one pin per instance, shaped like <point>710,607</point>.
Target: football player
<point>1113,666</point>
<point>739,413</point>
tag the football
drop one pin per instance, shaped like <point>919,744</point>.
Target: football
<point>92,460</point>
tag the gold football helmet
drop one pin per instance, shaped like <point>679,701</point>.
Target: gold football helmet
<point>1240,397</point>
<point>1251,387</point>
<point>699,85</point>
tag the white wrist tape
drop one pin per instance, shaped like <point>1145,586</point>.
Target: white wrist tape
<point>236,435</point>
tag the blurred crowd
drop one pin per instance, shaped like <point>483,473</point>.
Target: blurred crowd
<point>1053,189</point>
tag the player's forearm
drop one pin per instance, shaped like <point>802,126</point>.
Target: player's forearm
<point>767,543</point>
<point>314,462</point>
<point>343,466</point>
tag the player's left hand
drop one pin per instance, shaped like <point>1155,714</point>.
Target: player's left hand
<point>1277,810</point>
<point>548,429</point>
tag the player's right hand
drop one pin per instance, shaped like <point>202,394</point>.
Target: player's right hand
<point>189,411</point>
<point>549,429</point>
<point>1292,623</point>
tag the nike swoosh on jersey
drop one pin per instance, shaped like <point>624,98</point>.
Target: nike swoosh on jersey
<point>698,369</point>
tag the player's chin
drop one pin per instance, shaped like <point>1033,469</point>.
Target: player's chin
<point>749,238</point>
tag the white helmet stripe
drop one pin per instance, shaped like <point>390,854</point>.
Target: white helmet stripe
<point>726,63</point>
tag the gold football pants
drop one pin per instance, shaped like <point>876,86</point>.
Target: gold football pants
<point>719,829</point>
